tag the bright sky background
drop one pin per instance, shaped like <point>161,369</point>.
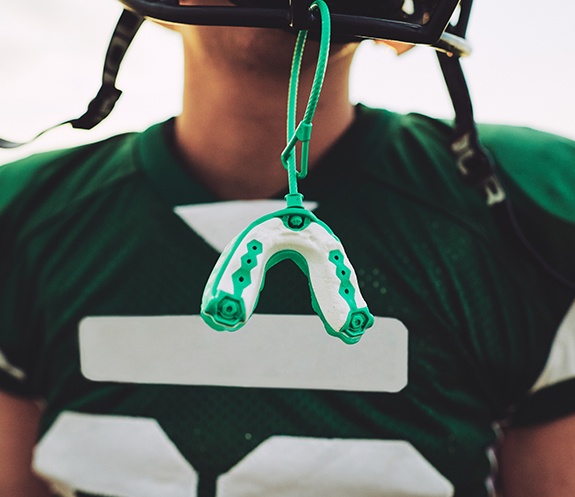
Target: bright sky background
<point>522,70</point>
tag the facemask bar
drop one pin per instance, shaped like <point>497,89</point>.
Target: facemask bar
<point>298,17</point>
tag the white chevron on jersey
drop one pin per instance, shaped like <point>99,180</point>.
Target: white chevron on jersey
<point>310,467</point>
<point>133,457</point>
<point>219,222</point>
<point>113,455</point>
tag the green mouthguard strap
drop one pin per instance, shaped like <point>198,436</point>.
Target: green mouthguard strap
<point>303,131</point>
<point>233,288</point>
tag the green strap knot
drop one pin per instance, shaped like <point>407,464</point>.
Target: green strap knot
<point>303,131</point>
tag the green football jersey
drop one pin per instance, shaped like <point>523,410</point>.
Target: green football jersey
<point>106,249</point>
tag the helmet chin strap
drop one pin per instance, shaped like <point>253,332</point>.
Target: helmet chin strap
<point>103,103</point>
<point>474,164</point>
<point>477,167</point>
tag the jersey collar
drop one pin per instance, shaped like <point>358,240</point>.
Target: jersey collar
<point>161,162</point>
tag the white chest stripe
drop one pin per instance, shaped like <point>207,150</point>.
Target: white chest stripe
<point>561,363</point>
<point>132,457</point>
<point>281,351</point>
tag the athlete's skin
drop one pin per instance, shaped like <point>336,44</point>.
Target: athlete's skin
<point>19,420</point>
<point>231,133</point>
<point>242,92</point>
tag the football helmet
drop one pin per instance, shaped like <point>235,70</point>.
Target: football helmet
<point>410,21</point>
<point>422,22</point>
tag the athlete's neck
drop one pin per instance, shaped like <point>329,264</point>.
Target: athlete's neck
<point>232,129</point>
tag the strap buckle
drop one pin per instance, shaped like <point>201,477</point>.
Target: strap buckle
<point>476,167</point>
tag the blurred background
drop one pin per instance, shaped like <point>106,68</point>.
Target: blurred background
<point>521,71</point>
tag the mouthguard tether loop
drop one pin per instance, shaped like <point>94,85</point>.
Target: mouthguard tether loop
<point>295,233</point>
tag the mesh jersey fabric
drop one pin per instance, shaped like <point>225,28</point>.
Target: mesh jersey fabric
<point>91,231</point>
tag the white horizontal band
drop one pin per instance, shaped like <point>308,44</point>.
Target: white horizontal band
<point>271,351</point>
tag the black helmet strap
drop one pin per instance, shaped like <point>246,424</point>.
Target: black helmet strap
<point>103,103</point>
<point>473,161</point>
<point>476,166</point>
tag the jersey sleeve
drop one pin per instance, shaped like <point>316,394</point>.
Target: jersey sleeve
<point>538,172</point>
<point>35,193</point>
<point>553,394</point>
<point>18,341</point>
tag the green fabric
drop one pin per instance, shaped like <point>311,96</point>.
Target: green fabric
<point>91,231</point>
<point>539,175</point>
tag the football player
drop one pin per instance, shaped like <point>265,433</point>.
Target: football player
<point>462,239</point>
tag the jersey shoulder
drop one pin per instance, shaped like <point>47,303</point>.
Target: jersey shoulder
<point>540,164</point>
<point>39,194</point>
<point>411,153</point>
<point>537,162</point>
<point>43,185</point>
<point>538,174</point>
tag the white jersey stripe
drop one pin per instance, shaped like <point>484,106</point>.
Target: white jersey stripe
<point>561,363</point>
<point>270,351</point>
<point>13,371</point>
